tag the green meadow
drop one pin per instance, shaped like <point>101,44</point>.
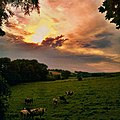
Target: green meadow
<point>93,99</point>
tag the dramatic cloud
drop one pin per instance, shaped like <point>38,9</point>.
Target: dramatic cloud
<point>68,34</point>
<point>17,29</point>
<point>104,34</point>
<point>98,44</point>
<point>54,42</point>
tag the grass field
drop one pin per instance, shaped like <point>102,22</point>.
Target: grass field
<point>93,99</point>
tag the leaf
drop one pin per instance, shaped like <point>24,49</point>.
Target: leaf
<point>101,9</point>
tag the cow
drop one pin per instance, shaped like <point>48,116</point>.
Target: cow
<point>55,101</point>
<point>24,113</point>
<point>69,93</point>
<point>80,79</point>
<point>28,101</point>
<point>37,112</point>
<point>62,98</point>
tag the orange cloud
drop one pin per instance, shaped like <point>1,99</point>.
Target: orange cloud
<point>78,20</point>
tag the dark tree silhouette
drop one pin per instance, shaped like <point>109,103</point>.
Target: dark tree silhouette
<point>22,70</point>
<point>112,10</point>
<point>65,74</point>
<point>2,33</point>
<point>4,66</point>
<point>26,7</point>
<point>4,95</point>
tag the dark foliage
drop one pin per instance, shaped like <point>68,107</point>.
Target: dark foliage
<point>26,6</point>
<point>112,10</point>
<point>22,70</point>
<point>2,33</point>
<point>80,74</point>
<point>64,74</point>
<point>4,95</point>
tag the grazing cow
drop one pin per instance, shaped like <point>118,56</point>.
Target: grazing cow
<point>55,101</point>
<point>37,112</point>
<point>28,101</point>
<point>79,78</point>
<point>69,93</point>
<point>62,98</point>
<point>24,113</point>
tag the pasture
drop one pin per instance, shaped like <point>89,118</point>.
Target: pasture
<point>93,99</point>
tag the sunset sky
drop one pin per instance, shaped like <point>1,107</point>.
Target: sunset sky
<point>67,34</point>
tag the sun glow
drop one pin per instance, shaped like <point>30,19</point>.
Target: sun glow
<point>40,34</point>
<point>43,29</point>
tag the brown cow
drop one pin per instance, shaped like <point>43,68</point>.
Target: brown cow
<point>24,114</point>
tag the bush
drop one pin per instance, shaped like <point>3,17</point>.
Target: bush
<point>4,95</point>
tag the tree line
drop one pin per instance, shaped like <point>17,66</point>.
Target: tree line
<point>81,74</point>
<point>58,74</point>
<point>22,70</point>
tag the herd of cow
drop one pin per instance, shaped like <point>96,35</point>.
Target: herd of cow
<point>27,113</point>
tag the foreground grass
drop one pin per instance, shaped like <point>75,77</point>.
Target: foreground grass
<point>93,99</point>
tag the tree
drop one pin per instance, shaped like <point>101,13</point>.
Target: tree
<point>4,95</point>
<point>24,70</point>
<point>112,10</point>
<point>65,74</point>
<point>4,66</point>
<point>26,7</point>
<point>2,33</point>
